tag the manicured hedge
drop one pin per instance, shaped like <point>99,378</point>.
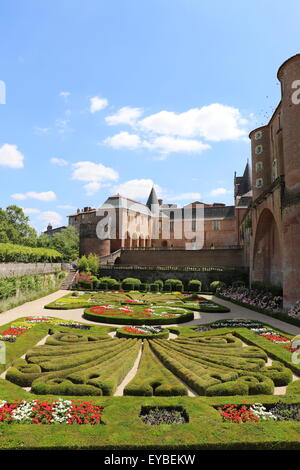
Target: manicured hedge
<point>153,378</point>
<point>25,254</point>
<point>137,321</point>
<point>121,333</point>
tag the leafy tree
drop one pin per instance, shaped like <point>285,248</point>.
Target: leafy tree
<point>66,242</point>
<point>94,263</point>
<point>15,228</point>
<point>83,264</point>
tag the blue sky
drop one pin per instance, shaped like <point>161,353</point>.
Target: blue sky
<point>114,96</point>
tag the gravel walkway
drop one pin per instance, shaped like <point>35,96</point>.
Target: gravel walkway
<point>36,307</point>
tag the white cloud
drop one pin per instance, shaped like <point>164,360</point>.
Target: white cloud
<point>92,188</point>
<point>124,140</point>
<point>11,157</point>
<point>52,217</point>
<point>29,211</point>
<point>42,196</point>
<point>168,144</point>
<point>185,196</point>
<point>220,191</point>
<point>97,103</point>
<point>162,144</point>
<point>137,189</point>
<point>58,161</point>
<point>214,122</point>
<point>125,115</point>
<point>90,171</point>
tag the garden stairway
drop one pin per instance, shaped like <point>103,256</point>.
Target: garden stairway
<point>69,280</point>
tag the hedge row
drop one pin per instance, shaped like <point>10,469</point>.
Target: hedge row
<point>25,254</point>
<point>121,333</point>
<point>98,379</point>
<point>137,321</point>
<point>62,355</point>
<point>236,370</point>
<point>153,378</point>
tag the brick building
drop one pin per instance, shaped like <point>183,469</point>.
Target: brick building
<point>274,248</point>
<point>130,225</point>
<point>264,220</point>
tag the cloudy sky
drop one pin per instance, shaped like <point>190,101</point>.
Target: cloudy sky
<point>116,96</point>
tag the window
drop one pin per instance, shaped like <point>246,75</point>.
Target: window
<point>258,135</point>
<point>258,149</point>
<point>193,225</point>
<point>172,226</point>
<point>258,166</point>
<point>274,170</point>
<point>216,224</point>
<point>259,182</point>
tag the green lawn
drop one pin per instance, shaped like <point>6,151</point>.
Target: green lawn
<point>122,426</point>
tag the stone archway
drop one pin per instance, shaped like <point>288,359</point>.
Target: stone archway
<point>267,251</point>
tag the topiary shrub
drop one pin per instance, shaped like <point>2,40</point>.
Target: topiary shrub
<point>160,283</point>
<point>144,287</point>
<point>216,285</point>
<point>109,283</point>
<point>154,287</point>
<point>194,286</point>
<point>175,285</point>
<point>131,283</point>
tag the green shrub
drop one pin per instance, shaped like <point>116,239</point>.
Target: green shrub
<point>144,287</point>
<point>194,286</point>
<point>152,378</point>
<point>83,265</point>
<point>26,254</point>
<point>216,285</point>
<point>160,283</point>
<point>121,333</point>
<point>93,263</point>
<point>111,283</point>
<point>176,285</point>
<point>131,283</point>
<point>154,287</point>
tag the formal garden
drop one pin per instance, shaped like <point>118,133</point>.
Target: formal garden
<point>101,386</point>
<point>126,364</point>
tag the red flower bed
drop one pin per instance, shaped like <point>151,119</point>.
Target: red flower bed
<point>14,331</point>
<point>237,414</point>
<point>131,329</point>
<point>277,338</point>
<point>46,412</point>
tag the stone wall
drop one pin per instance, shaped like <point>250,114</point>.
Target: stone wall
<point>231,258</point>
<point>22,269</point>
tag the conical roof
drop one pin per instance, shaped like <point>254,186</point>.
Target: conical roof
<point>152,202</point>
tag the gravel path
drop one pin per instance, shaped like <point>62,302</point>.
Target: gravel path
<point>36,307</point>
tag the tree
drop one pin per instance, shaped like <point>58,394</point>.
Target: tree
<point>93,261</point>
<point>15,228</point>
<point>66,242</point>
